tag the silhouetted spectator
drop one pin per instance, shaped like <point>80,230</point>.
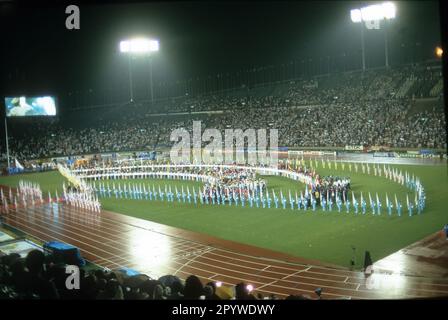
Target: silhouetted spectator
<point>193,288</point>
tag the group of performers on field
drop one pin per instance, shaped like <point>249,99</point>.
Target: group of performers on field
<point>241,187</point>
<point>224,185</point>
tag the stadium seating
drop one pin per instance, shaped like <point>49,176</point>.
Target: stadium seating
<point>353,108</point>
<point>39,276</point>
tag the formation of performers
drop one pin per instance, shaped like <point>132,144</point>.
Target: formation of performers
<point>232,187</point>
<point>234,183</point>
<point>28,189</point>
<point>30,194</point>
<point>330,187</point>
<point>27,193</point>
<point>335,197</point>
<point>81,198</point>
<point>236,186</point>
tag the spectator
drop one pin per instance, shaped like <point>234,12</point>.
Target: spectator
<point>193,288</point>
<point>242,292</point>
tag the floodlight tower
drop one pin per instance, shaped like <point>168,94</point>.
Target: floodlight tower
<point>371,16</point>
<point>139,46</point>
<point>7,143</point>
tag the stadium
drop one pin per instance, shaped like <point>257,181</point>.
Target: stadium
<point>160,164</point>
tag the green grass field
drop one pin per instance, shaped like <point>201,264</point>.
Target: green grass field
<point>315,235</point>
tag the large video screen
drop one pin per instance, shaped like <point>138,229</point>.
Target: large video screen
<point>30,106</point>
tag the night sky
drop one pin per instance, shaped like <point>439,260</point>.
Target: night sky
<point>197,39</point>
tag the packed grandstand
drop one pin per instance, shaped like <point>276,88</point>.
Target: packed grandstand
<point>400,107</point>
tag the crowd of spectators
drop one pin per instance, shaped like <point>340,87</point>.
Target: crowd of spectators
<point>345,109</point>
<point>40,276</point>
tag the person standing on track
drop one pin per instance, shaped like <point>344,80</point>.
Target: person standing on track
<point>445,228</point>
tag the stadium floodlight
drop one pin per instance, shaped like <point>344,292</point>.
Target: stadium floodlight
<point>374,12</point>
<point>139,46</point>
<point>371,16</point>
<point>355,14</point>
<point>389,10</point>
